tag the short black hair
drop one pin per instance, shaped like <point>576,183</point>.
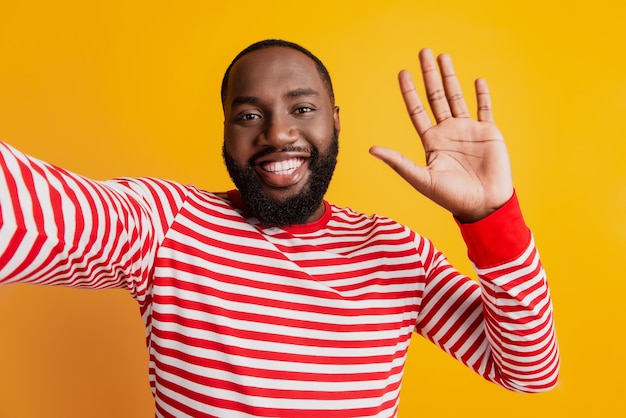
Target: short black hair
<point>270,43</point>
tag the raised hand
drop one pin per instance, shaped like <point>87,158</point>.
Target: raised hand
<point>467,170</point>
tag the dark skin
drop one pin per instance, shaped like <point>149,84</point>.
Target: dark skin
<point>275,110</point>
<point>467,170</point>
<point>276,99</point>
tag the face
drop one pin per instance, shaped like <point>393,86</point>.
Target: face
<point>280,135</point>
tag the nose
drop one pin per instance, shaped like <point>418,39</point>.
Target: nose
<point>278,131</point>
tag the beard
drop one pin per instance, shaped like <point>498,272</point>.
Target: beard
<point>296,209</point>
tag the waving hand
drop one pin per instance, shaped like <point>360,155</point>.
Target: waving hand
<point>467,165</point>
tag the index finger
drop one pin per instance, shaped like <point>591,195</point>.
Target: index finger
<point>419,117</point>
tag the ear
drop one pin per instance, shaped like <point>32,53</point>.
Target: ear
<point>336,119</point>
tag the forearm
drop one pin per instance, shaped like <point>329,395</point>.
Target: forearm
<point>502,328</point>
<point>519,325</point>
<point>63,229</point>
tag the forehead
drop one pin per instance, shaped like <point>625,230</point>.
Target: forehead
<point>274,69</point>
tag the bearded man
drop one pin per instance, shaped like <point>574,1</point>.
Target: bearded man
<point>269,301</point>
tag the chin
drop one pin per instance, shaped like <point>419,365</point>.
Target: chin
<point>283,194</point>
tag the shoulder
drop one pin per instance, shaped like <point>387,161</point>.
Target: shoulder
<point>163,192</point>
<point>346,217</point>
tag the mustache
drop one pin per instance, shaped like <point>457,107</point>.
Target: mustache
<point>287,148</point>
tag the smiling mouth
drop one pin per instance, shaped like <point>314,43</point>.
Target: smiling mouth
<point>282,167</point>
<point>282,173</point>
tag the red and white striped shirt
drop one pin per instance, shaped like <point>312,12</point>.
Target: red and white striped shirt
<point>309,321</point>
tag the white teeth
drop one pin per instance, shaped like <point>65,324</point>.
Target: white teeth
<point>285,166</point>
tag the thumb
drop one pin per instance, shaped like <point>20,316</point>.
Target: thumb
<point>415,175</point>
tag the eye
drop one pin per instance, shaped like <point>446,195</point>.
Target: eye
<point>303,109</point>
<point>248,116</point>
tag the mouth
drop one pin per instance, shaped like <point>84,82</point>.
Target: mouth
<point>282,172</point>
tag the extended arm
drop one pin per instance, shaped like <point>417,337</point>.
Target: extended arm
<point>59,228</point>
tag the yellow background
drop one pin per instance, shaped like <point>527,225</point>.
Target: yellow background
<point>125,88</point>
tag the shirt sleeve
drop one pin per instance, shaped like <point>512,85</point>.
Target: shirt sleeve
<point>502,326</point>
<point>59,228</point>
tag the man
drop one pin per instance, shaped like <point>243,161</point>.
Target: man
<point>269,301</point>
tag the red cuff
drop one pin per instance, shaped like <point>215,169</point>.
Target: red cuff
<point>499,238</point>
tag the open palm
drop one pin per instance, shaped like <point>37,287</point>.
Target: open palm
<point>467,164</point>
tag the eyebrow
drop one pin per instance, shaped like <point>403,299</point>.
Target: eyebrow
<point>244,100</point>
<point>290,94</point>
<point>302,92</point>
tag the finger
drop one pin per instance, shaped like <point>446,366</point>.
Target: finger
<point>419,117</point>
<point>434,87</point>
<point>416,176</point>
<point>483,101</point>
<point>452,87</point>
